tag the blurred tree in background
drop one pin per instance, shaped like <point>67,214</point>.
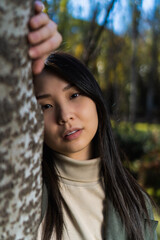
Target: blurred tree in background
<point>127,67</point>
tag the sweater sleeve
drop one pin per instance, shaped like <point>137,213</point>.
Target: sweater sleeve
<point>150,225</point>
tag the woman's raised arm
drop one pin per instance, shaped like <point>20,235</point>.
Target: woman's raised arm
<point>43,37</point>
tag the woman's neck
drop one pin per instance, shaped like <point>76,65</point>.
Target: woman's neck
<point>82,155</point>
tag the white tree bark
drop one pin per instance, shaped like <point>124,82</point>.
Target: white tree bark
<point>21,131</point>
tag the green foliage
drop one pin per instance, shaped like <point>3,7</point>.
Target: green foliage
<point>138,139</point>
<point>140,144</point>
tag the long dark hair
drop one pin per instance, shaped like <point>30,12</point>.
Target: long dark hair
<point>127,197</point>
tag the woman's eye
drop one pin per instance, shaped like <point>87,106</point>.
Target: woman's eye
<point>46,106</point>
<point>75,95</point>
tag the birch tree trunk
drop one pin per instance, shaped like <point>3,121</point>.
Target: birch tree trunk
<point>21,128</point>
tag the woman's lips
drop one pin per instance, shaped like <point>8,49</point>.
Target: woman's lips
<point>71,135</point>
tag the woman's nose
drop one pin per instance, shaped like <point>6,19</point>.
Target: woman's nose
<point>64,115</point>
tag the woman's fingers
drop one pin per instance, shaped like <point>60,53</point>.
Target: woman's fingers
<point>43,37</point>
<point>45,47</point>
<point>38,6</point>
<point>42,33</point>
<point>38,21</point>
<point>38,65</point>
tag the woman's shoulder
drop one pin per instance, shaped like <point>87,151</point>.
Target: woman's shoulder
<point>114,225</point>
<point>150,205</point>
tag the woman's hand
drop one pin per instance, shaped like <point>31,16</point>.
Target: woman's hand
<point>43,37</point>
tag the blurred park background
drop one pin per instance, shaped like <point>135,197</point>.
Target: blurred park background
<point>119,41</point>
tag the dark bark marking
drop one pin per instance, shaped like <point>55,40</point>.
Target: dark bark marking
<point>6,106</point>
<point>12,48</point>
<point>8,80</point>
<point>4,134</point>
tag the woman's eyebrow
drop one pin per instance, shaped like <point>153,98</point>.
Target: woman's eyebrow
<point>68,86</point>
<point>43,96</point>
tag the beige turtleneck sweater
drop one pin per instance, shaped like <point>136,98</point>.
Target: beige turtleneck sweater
<point>81,188</point>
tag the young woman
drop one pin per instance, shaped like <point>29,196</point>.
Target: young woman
<point>88,194</point>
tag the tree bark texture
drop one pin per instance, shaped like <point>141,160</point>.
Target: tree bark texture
<point>21,127</point>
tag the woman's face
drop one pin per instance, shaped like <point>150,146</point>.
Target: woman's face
<point>70,118</point>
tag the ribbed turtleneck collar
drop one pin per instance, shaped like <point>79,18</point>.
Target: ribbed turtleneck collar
<point>77,170</point>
